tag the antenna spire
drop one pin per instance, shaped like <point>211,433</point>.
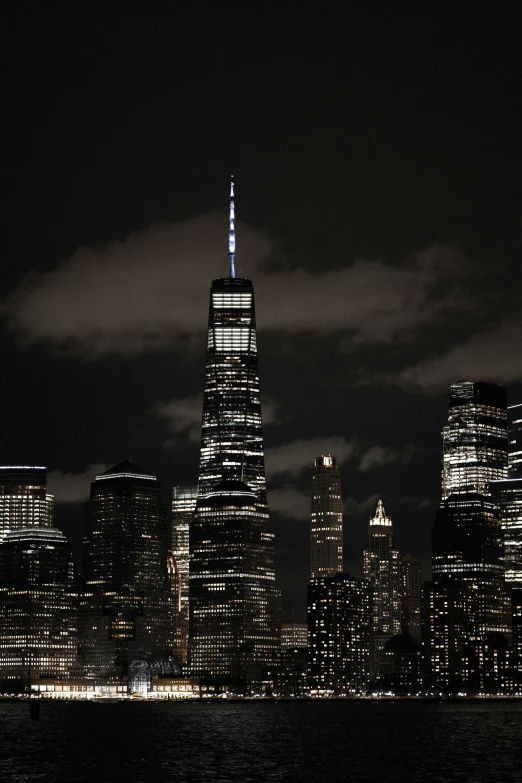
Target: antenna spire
<point>232,231</point>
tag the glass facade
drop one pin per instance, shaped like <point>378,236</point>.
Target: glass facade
<point>38,607</point>
<point>234,634</point>
<point>183,508</point>
<point>410,572</point>
<point>515,441</point>
<point>294,635</point>
<point>126,607</point>
<point>508,497</point>
<point>339,628</point>
<point>470,615</point>
<point>326,519</point>
<point>475,439</point>
<point>24,500</point>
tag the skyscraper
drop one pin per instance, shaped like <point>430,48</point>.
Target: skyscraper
<point>326,519</point>
<point>38,607</point>
<point>515,440</point>
<point>24,501</point>
<point>339,630</point>
<point>474,441</point>
<point>183,508</point>
<point>381,563</point>
<point>125,606</point>
<point>410,572</point>
<point>470,612</point>
<point>234,634</point>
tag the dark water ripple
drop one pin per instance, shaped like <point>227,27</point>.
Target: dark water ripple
<point>384,742</point>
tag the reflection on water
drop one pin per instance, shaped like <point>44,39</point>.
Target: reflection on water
<point>472,742</point>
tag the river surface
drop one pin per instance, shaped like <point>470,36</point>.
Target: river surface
<point>406,741</point>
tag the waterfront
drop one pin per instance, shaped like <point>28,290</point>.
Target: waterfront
<point>376,742</point>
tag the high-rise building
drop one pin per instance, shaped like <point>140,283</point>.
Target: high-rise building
<point>475,439</point>
<point>183,508</point>
<point>339,628</point>
<point>469,618</point>
<point>234,632</point>
<point>507,495</point>
<point>326,519</point>
<point>381,563</point>
<point>38,607</point>
<point>516,619</point>
<point>126,608</point>
<point>410,573</point>
<point>294,635</point>
<point>515,441</point>
<point>24,501</point>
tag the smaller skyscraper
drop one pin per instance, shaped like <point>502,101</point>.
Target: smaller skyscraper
<point>410,571</point>
<point>475,439</point>
<point>381,563</point>
<point>24,501</point>
<point>326,519</point>
<point>38,607</point>
<point>339,628</point>
<point>183,508</point>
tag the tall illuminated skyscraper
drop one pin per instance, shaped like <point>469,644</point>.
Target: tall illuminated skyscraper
<point>234,633</point>
<point>475,439</point>
<point>381,563</point>
<point>515,441</point>
<point>326,519</point>
<point>24,501</point>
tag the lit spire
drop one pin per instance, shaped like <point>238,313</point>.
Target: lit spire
<point>380,517</point>
<point>232,231</point>
<point>380,513</point>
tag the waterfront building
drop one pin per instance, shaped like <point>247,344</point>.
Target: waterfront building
<point>516,619</point>
<point>126,607</point>
<point>38,607</point>
<point>183,508</point>
<point>410,577</point>
<point>381,564</point>
<point>294,635</point>
<point>469,604</point>
<point>234,629</point>
<point>475,439</point>
<point>326,519</point>
<point>339,628</point>
<point>24,500</point>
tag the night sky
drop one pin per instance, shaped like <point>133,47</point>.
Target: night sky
<point>377,164</point>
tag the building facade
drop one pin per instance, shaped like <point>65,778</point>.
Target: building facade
<point>339,630</point>
<point>294,635</point>
<point>38,607</point>
<point>381,564</point>
<point>126,607</point>
<point>183,508</point>
<point>24,500</point>
<point>411,583</point>
<point>475,439</point>
<point>326,519</point>
<point>515,441</point>
<point>234,629</point>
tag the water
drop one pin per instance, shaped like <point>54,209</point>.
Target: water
<point>471,742</point>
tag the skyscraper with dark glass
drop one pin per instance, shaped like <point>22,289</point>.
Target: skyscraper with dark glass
<point>183,508</point>
<point>125,605</point>
<point>234,634</point>
<point>326,519</point>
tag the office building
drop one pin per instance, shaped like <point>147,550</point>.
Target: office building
<point>381,564</point>
<point>339,629</point>
<point>326,519</point>
<point>469,619</point>
<point>183,508</point>
<point>515,441</point>
<point>294,635</point>
<point>38,608</point>
<point>475,439</point>
<point>126,607</point>
<point>234,630</point>
<point>410,575</point>
<point>24,501</point>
